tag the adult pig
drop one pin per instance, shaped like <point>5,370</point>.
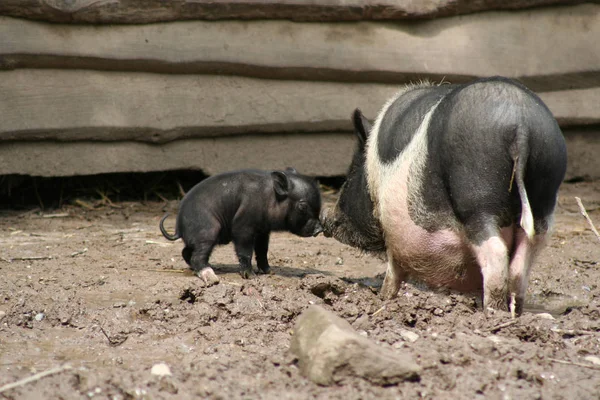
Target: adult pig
<point>244,207</point>
<point>457,184</point>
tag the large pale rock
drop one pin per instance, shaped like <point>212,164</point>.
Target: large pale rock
<point>144,11</point>
<point>547,49</point>
<point>328,350</point>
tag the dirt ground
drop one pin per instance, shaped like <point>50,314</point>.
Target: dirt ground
<point>102,292</point>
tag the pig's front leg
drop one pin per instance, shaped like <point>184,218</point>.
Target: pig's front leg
<point>243,241</point>
<point>261,248</point>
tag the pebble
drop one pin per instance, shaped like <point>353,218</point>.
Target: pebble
<point>39,316</point>
<point>593,359</point>
<point>2,314</point>
<point>545,316</point>
<point>339,261</point>
<point>161,369</point>
<point>409,336</point>
<point>494,338</point>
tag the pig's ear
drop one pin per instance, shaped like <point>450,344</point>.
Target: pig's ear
<point>291,170</point>
<point>362,126</point>
<point>281,184</point>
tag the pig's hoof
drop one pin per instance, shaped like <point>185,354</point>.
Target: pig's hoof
<point>388,291</point>
<point>208,276</point>
<point>247,273</point>
<point>264,269</point>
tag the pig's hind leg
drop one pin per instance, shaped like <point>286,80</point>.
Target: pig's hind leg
<point>525,251</point>
<point>261,248</point>
<point>197,257</point>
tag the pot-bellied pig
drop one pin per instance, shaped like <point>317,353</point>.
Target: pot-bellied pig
<point>244,207</point>
<point>457,184</point>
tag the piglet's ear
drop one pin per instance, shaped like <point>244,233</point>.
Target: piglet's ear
<point>291,170</point>
<point>362,126</point>
<point>281,184</point>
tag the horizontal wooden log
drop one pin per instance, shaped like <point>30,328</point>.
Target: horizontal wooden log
<point>574,107</point>
<point>147,11</point>
<point>111,106</point>
<point>529,46</point>
<point>313,154</point>
<point>325,154</point>
<point>91,105</point>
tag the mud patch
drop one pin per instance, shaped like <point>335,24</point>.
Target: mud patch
<point>128,302</point>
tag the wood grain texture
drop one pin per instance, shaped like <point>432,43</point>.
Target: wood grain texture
<point>91,105</point>
<point>148,11</point>
<point>552,49</point>
<point>326,154</point>
<point>314,154</point>
<point>74,105</point>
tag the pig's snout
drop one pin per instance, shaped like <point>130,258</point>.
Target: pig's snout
<point>325,222</point>
<point>318,229</point>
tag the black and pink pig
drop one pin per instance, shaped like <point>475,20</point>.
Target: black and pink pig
<point>244,207</point>
<point>457,185</point>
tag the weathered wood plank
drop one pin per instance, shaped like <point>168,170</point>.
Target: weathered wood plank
<point>91,105</point>
<point>77,105</point>
<point>314,154</point>
<point>147,11</point>
<point>551,49</point>
<point>574,107</point>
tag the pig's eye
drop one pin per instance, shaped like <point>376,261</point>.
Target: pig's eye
<point>302,207</point>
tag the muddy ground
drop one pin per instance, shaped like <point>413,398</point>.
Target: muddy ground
<point>100,290</point>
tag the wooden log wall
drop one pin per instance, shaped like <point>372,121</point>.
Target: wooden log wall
<point>237,83</point>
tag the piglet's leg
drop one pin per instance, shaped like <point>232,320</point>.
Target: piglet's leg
<point>520,264</point>
<point>198,260</point>
<point>243,240</point>
<point>261,248</point>
<point>394,276</point>
<point>492,256</point>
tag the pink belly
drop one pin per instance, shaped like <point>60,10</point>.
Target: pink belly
<point>440,259</point>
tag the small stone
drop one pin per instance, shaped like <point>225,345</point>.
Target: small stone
<point>39,317</point>
<point>2,314</point>
<point>593,359</point>
<point>545,316</point>
<point>160,369</point>
<point>409,336</point>
<point>438,312</point>
<point>494,338</point>
<point>339,261</point>
<point>362,323</point>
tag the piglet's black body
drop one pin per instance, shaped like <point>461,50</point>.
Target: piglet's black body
<point>244,207</point>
